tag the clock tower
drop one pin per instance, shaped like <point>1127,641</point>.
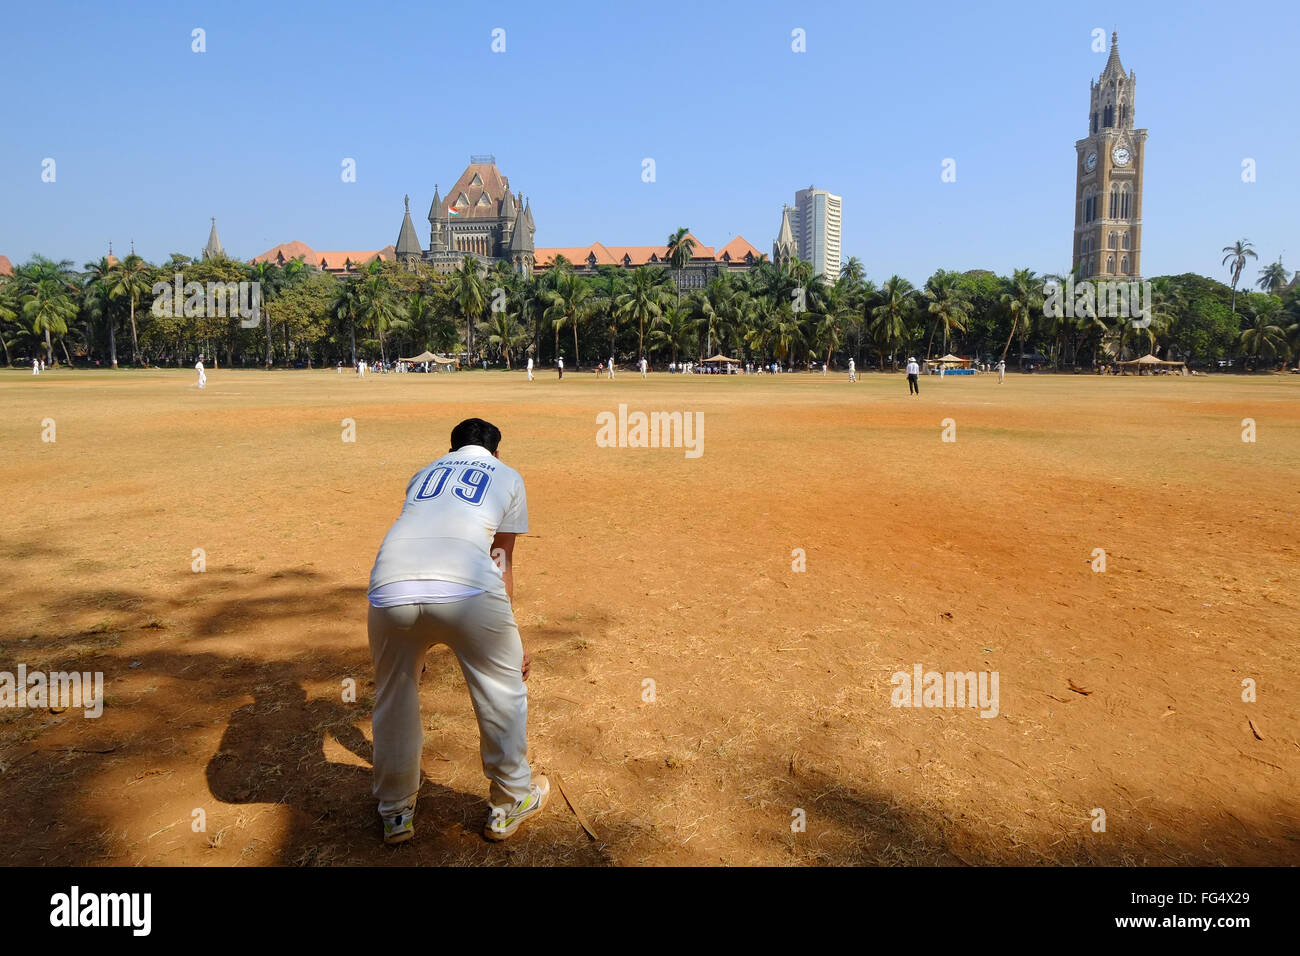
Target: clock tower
<point>1108,179</point>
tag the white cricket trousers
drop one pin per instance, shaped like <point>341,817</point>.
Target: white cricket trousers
<point>481,632</point>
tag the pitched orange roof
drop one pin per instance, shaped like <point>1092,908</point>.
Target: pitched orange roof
<point>631,256</point>
<point>6,267</point>
<point>341,260</point>
<point>737,249</point>
<point>288,250</point>
<point>336,261</point>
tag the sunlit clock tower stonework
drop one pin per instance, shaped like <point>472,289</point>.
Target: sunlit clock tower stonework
<point>1108,179</point>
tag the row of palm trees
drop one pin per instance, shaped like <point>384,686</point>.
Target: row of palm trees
<point>771,312</point>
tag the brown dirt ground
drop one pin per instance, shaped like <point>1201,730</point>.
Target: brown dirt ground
<point>773,687</point>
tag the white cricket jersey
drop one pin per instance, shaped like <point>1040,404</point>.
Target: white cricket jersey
<point>913,368</point>
<point>453,508</point>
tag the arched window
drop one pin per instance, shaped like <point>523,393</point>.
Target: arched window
<point>1110,265</point>
<point>1123,113</point>
<point>1123,265</point>
<point>1109,116</point>
<point>1112,242</point>
<point>1094,124</point>
<point>1126,241</point>
<point>1114,201</point>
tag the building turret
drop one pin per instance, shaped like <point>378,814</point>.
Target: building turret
<point>437,242</point>
<point>408,244</point>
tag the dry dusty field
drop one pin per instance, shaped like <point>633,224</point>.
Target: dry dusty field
<point>772,687</point>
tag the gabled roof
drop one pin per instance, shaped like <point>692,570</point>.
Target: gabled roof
<point>330,261</point>
<point>288,250</point>
<point>736,250</point>
<point>6,267</point>
<point>633,256</point>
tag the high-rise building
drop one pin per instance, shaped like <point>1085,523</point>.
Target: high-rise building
<point>810,230</point>
<point>1108,179</point>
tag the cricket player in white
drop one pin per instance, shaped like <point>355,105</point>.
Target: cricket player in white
<point>36,367</point>
<point>530,368</point>
<point>203,376</point>
<point>853,371</point>
<point>435,581</point>
<point>1002,371</point>
<point>611,366</point>
<point>643,366</point>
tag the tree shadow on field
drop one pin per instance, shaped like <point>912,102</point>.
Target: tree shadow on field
<point>860,823</point>
<point>180,664</point>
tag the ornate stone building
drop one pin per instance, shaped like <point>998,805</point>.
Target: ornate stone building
<point>1109,179</point>
<point>480,217</point>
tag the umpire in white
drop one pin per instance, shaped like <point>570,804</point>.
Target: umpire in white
<point>444,575</point>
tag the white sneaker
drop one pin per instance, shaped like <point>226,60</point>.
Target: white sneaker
<point>399,826</point>
<point>502,823</point>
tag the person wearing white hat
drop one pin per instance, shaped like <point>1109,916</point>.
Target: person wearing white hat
<point>913,372</point>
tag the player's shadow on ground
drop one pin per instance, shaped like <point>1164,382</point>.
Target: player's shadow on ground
<point>273,751</point>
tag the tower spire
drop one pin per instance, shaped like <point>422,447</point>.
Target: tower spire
<point>408,245</point>
<point>213,249</point>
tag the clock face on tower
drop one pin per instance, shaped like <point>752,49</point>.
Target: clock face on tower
<point>1090,163</point>
<point>1121,155</point>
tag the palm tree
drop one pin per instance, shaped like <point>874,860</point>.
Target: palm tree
<point>1263,337</point>
<point>680,249</point>
<point>947,304</point>
<point>1235,258</point>
<point>377,309</point>
<point>674,331</point>
<point>1023,299</point>
<point>292,274</point>
<point>96,283</point>
<point>131,279</point>
<point>48,307</point>
<point>53,284</point>
<point>569,303</point>
<point>267,275</point>
<point>503,333</point>
<point>470,293</point>
<point>344,306</point>
<point>888,319</point>
<point>1273,277</point>
<point>643,301</point>
<point>9,307</point>
<point>835,310</point>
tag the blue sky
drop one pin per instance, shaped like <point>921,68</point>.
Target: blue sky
<point>151,139</point>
